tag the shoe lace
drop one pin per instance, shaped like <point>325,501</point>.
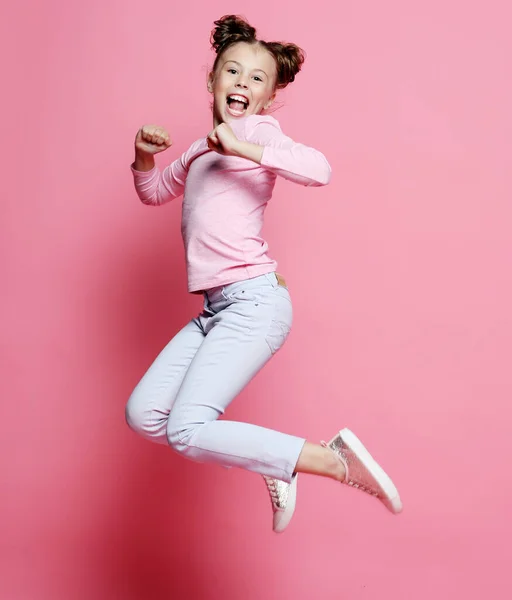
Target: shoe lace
<point>349,481</point>
<point>272,489</point>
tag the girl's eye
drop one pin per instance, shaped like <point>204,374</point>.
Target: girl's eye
<point>232,71</point>
<point>258,78</point>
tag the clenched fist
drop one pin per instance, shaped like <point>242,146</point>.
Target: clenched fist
<point>152,139</point>
<point>223,140</point>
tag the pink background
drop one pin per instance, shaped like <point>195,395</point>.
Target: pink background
<point>400,272</point>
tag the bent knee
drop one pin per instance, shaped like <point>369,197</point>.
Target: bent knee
<point>142,420</point>
<point>134,416</point>
<point>179,436</point>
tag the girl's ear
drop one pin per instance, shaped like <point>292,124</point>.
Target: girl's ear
<point>209,85</point>
<point>270,100</point>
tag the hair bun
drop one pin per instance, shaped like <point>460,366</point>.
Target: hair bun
<point>230,29</point>
<point>292,51</point>
<point>289,60</point>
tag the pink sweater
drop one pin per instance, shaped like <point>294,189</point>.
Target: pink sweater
<point>224,199</point>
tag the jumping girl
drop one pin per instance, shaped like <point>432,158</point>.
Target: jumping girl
<point>226,180</point>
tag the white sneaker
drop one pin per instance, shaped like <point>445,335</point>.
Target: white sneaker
<point>362,471</point>
<point>282,496</point>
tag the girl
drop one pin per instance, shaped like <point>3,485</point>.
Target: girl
<point>226,180</point>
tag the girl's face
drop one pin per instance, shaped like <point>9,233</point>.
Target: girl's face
<point>243,83</point>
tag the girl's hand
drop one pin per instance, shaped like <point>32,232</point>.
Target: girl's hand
<point>152,139</point>
<point>223,140</point>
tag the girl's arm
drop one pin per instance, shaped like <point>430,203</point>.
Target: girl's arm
<point>155,188</point>
<point>143,162</point>
<point>264,142</point>
<point>151,186</point>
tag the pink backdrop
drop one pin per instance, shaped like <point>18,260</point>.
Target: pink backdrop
<point>400,272</point>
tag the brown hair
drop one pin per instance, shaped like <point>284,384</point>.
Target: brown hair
<point>232,29</point>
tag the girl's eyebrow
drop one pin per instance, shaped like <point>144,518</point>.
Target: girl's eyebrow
<point>237,63</point>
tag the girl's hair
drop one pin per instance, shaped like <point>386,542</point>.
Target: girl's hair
<point>232,29</point>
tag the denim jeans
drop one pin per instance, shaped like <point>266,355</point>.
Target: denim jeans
<point>205,366</point>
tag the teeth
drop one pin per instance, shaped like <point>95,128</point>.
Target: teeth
<point>239,98</point>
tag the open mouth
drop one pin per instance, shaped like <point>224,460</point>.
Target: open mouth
<point>237,104</point>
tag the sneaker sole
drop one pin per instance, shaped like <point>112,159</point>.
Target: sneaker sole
<point>392,499</point>
<point>287,513</point>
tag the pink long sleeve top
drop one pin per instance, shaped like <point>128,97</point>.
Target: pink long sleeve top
<point>224,199</point>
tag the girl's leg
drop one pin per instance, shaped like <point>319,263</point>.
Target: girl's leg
<point>250,323</point>
<point>318,460</point>
<point>195,378</point>
<point>149,405</point>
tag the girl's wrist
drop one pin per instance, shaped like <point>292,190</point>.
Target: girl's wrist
<point>250,151</point>
<point>143,161</point>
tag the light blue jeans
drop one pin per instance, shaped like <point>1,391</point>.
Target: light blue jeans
<point>205,366</point>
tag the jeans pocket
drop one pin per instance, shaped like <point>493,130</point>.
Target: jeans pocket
<point>241,295</point>
<point>250,290</point>
<point>280,326</point>
<point>276,336</point>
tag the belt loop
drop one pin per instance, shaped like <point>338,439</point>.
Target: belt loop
<point>281,280</point>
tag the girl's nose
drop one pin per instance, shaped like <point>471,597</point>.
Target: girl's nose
<point>241,83</point>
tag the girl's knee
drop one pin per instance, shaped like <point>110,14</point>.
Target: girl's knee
<point>138,418</point>
<point>174,433</point>
<point>134,417</point>
<point>179,435</point>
